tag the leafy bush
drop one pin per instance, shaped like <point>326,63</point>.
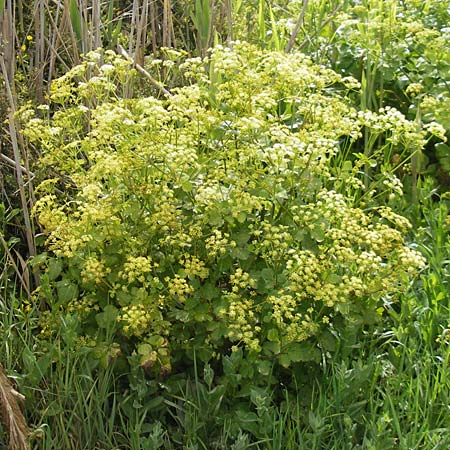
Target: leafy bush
<point>220,222</point>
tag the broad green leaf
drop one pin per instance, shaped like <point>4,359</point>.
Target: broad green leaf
<point>272,347</point>
<point>327,341</point>
<point>186,186</point>
<point>264,367</point>
<point>305,351</point>
<point>317,233</point>
<point>209,291</point>
<point>156,341</point>
<point>215,218</point>
<point>38,259</point>
<point>107,318</point>
<point>272,335</point>
<point>66,290</point>
<point>443,155</point>
<point>54,269</point>
<point>285,360</point>
<point>144,349</point>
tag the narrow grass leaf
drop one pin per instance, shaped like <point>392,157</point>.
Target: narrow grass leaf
<point>76,20</point>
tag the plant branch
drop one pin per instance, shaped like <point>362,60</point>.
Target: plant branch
<point>141,70</point>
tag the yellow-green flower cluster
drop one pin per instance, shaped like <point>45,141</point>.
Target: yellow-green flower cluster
<point>293,325</point>
<point>135,319</point>
<point>218,243</point>
<point>94,270</point>
<point>83,306</point>
<point>400,222</point>
<point>240,280</point>
<point>242,318</point>
<point>178,287</point>
<point>135,269</point>
<point>51,214</point>
<point>223,202</point>
<point>414,89</point>
<point>194,267</point>
<point>274,240</point>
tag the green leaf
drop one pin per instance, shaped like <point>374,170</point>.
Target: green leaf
<point>66,290</point>
<point>317,233</point>
<point>208,375</point>
<point>248,420</point>
<point>54,269</point>
<point>316,422</point>
<point>209,291</point>
<point>54,409</point>
<point>327,341</point>
<point>264,367</point>
<point>214,218</point>
<point>239,253</point>
<point>273,24</point>
<point>156,341</point>
<point>272,347</point>
<point>107,318</point>
<point>38,259</point>
<point>304,351</point>
<point>186,186</point>
<point>443,155</point>
<point>284,360</point>
<point>154,402</point>
<point>144,349</point>
<point>109,20</point>
<point>343,308</point>
<point>241,238</point>
<point>266,279</point>
<point>272,335</point>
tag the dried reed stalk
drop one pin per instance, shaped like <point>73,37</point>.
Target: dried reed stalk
<point>12,417</point>
<point>229,15</point>
<point>7,37</point>
<point>153,20</point>
<point>141,70</point>
<point>39,51</point>
<point>17,159</point>
<point>167,24</point>
<point>297,27</point>
<point>96,24</point>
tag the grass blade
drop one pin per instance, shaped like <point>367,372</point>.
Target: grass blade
<point>76,20</point>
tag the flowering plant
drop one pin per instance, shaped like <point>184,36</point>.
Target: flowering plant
<point>216,220</point>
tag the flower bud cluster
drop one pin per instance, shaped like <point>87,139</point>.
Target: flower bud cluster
<point>242,319</point>
<point>218,243</point>
<point>94,270</point>
<point>193,266</point>
<point>136,319</point>
<point>136,269</point>
<point>178,287</point>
